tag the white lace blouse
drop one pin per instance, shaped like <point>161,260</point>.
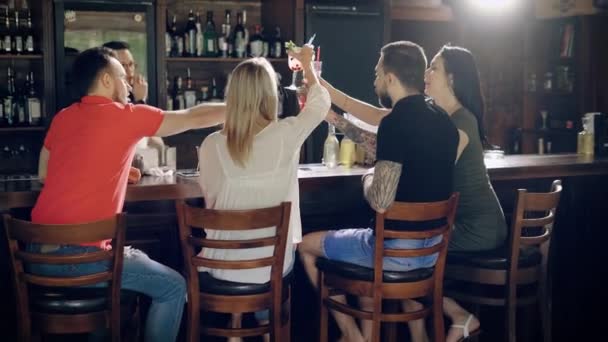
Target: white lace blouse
<point>269,178</point>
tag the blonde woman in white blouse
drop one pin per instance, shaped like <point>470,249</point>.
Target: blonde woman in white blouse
<point>253,161</point>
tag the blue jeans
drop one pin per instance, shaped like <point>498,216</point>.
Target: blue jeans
<point>356,246</point>
<point>166,287</point>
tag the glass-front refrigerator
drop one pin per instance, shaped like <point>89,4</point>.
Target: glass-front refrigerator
<point>82,24</point>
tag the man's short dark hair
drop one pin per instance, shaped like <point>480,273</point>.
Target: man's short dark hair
<point>87,66</point>
<point>117,45</point>
<point>407,61</point>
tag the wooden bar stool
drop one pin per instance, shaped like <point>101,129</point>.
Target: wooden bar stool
<point>522,263</point>
<point>338,278</point>
<point>60,305</point>
<point>214,295</point>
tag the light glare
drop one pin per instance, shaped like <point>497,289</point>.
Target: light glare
<point>493,6</point>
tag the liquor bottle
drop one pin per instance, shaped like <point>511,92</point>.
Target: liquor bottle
<point>331,148</point>
<point>189,93</point>
<point>28,38</point>
<point>265,43</point>
<point>224,38</point>
<point>256,45</point>
<point>214,92</point>
<point>168,37</point>
<point>3,29</point>
<point>276,48</point>
<point>17,36</point>
<point>190,35</point>
<point>176,40</point>
<point>21,103</point>
<point>210,38</point>
<point>180,101</point>
<point>200,45</point>
<point>169,93</point>
<point>240,44</point>
<point>33,103</point>
<point>7,103</point>
<point>8,40</point>
<point>246,30</point>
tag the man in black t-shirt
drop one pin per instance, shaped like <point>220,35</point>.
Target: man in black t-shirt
<point>417,147</point>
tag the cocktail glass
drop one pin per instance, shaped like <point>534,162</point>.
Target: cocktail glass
<point>295,66</point>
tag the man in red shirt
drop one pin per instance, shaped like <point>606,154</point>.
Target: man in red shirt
<point>85,165</point>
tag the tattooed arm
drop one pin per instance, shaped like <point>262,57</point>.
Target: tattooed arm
<point>380,185</point>
<point>364,138</point>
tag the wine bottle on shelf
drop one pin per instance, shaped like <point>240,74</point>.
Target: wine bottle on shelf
<point>240,42</point>
<point>190,35</point>
<point>176,39</point>
<point>214,92</point>
<point>33,103</point>
<point>180,101</point>
<point>7,102</point>
<point>246,34</point>
<point>5,28</point>
<point>170,94</point>
<point>224,37</point>
<point>276,48</point>
<point>28,38</point>
<point>189,93</point>
<point>256,45</point>
<point>200,45</point>
<point>210,37</point>
<point>265,43</point>
<point>17,35</point>
<point>168,37</point>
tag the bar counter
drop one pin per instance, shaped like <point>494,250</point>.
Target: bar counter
<point>18,193</point>
<point>332,198</point>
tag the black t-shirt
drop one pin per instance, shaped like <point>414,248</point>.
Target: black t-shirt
<point>422,138</point>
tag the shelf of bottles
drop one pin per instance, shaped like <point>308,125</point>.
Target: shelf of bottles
<point>190,49</point>
<point>20,105</point>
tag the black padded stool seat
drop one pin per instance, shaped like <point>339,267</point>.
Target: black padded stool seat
<point>209,284</point>
<point>357,272</point>
<point>63,300</point>
<point>495,259</point>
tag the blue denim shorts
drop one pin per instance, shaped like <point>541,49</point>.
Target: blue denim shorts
<point>356,246</point>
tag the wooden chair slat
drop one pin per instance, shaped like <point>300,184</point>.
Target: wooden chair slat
<point>236,332</point>
<point>418,252</point>
<point>233,244</point>
<point>410,234</point>
<point>538,222</point>
<point>541,201</point>
<point>417,211</point>
<point>27,232</point>
<point>36,258</point>
<point>68,281</point>
<point>233,219</point>
<point>232,264</point>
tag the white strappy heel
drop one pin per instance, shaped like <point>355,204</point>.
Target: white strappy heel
<point>465,328</point>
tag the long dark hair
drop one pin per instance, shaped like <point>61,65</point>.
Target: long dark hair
<point>461,64</point>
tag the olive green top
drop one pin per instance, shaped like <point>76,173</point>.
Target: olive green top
<point>480,222</point>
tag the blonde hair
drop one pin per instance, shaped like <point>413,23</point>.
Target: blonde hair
<point>251,103</point>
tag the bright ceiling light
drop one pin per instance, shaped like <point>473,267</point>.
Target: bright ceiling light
<point>494,6</point>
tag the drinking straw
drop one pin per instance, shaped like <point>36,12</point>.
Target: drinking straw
<point>318,53</point>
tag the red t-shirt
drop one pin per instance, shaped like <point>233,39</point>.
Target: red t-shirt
<point>91,145</point>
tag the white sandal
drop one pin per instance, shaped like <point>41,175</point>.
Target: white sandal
<point>465,328</point>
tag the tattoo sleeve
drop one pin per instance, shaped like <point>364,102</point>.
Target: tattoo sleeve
<point>364,138</point>
<point>381,189</point>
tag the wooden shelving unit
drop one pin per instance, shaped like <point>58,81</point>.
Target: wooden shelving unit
<point>217,59</point>
<point>17,57</point>
<point>22,129</point>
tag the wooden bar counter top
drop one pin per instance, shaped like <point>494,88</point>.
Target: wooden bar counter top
<point>19,193</point>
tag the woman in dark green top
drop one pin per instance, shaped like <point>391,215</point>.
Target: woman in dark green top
<point>452,80</point>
